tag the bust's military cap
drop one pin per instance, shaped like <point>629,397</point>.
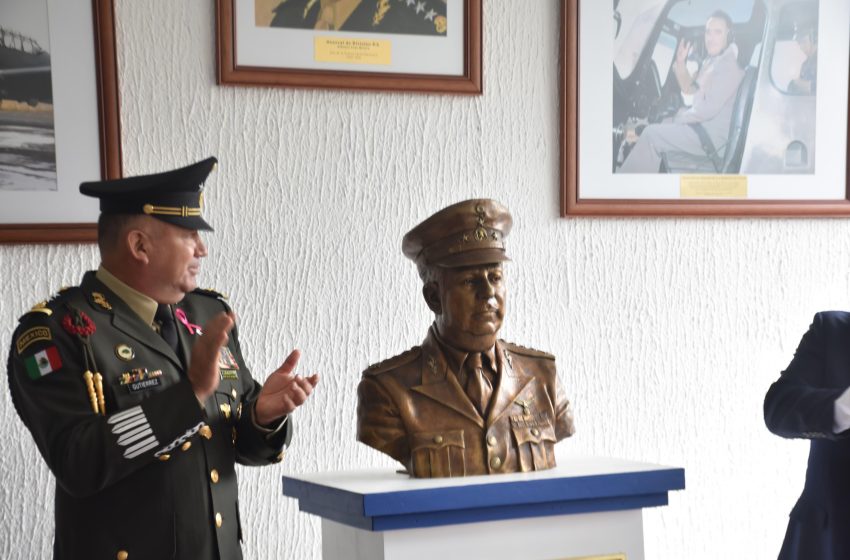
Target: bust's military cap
<point>468,233</point>
<point>173,196</point>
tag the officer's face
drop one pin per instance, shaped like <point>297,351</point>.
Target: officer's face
<point>473,306</point>
<point>175,260</point>
<point>716,36</point>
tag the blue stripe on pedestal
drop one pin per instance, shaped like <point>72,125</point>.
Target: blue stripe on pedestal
<point>486,502</point>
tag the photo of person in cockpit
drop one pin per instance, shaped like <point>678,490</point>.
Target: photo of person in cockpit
<point>714,86</point>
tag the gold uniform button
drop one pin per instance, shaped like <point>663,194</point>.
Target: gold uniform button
<point>122,555</point>
<point>164,457</point>
<point>186,446</point>
<point>491,440</point>
<point>438,439</point>
<point>214,476</point>
<point>535,432</point>
<point>218,520</point>
<point>495,462</point>
<point>233,393</point>
<point>206,432</point>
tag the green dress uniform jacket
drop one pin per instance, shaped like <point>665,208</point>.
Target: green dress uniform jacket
<point>152,477</point>
<point>412,408</point>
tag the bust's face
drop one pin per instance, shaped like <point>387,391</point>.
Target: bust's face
<point>473,306</point>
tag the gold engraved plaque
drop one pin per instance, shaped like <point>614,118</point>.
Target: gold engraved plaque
<point>713,186</point>
<point>352,51</point>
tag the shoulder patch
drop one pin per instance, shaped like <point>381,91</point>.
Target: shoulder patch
<point>523,351</point>
<point>394,362</point>
<point>32,335</point>
<point>43,362</point>
<point>210,292</point>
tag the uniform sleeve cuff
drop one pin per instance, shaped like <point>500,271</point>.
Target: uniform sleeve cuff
<point>269,431</point>
<point>841,408</point>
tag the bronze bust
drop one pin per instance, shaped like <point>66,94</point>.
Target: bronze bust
<point>465,402</point>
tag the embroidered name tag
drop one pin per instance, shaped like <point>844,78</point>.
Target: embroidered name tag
<point>144,385</point>
<point>139,379</point>
<point>228,374</point>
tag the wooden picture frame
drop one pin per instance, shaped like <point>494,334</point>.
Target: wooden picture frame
<point>403,49</point>
<point>580,181</point>
<point>106,131</point>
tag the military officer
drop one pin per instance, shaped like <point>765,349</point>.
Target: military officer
<point>135,389</point>
<point>414,17</point>
<point>465,402</point>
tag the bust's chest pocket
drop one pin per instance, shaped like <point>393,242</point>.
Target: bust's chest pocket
<point>534,437</point>
<point>438,454</point>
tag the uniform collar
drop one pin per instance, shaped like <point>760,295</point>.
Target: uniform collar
<point>142,305</point>
<point>457,357</point>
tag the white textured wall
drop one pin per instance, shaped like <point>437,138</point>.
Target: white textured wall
<point>667,331</point>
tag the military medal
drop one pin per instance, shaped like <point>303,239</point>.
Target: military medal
<point>124,352</point>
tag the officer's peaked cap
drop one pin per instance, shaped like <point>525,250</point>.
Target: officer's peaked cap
<point>173,196</point>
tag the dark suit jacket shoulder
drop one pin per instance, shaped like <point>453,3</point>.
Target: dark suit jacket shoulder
<point>800,404</point>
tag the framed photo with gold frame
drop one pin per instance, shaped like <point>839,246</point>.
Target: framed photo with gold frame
<point>390,45</point>
<point>712,107</point>
<point>59,117</point>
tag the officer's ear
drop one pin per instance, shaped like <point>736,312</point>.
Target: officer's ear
<point>138,245</point>
<point>431,292</point>
<point>140,240</point>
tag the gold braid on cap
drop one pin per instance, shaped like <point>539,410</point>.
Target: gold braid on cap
<point>180,211</point>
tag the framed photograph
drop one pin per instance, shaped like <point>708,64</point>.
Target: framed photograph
<point>712,107</point>
<point>394,45</point>
<point>59,122</point>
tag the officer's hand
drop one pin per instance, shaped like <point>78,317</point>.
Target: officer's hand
<point>203,367</point>
<point>283,391</point>
<point>682,51</point>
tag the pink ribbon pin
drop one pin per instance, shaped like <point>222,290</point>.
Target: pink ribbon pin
<point>191,327</point>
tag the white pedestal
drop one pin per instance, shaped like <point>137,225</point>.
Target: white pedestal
<point>585,507</point>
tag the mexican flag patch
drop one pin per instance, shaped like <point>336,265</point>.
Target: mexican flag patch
<point>42,363</point>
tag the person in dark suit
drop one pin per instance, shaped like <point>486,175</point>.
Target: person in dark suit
<point>465,402</point>
<point>135,390</point>
<point>412,17</point>
<point>811,400</point>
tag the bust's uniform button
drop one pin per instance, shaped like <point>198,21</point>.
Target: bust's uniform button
<point>438,439</point>
<point>535,432</point>
<point>495,462</point>
<point>214,476</point>
<point>491,440</point>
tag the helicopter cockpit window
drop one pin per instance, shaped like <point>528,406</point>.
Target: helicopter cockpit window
<point>793,68</point>
<point>663,53</point>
